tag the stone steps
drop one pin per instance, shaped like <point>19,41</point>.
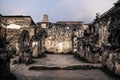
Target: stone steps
<point>67,67</point>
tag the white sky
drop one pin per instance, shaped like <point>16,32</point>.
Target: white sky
<point>82,10</point>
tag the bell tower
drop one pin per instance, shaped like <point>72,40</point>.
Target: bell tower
<point>44,21</point>
<point>45,18</point>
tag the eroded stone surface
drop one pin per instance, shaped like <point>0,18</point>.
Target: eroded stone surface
<point>22,73</point>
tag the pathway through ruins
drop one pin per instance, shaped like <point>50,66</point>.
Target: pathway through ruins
<point>43,69</point>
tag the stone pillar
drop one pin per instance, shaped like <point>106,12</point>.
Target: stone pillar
<point>35,49</point>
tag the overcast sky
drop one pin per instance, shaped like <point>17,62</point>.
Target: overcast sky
<point>57,10</point>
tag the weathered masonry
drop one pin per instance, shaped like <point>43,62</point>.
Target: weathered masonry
<point>59,39</point>
<point>4,56</point>
<point>101,42</point>
<point>14,30</point>
<point>60,35</point>
<point>15,25</point>
<point>96,42</point>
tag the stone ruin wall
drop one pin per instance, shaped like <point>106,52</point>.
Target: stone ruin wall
<point>59,40</point>
<point>21,23</point>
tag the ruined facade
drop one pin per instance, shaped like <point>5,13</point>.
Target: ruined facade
<point>3,26</point>
<point>17,40</point>
<point>4,56</point>
<point>101,40</point>
<point>76,30</point>
<point>96,42</point>
<point>20,22</point>
<point>59,39</point>
<point>59,35</point>
<point>41,34</point>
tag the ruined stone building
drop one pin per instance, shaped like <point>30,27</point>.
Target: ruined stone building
<point>59,39</point>
<point>76,30</point>
<point>3,30</point>
<point>107,28</point>
<point>14,26</point>
<point>62,35</point>
<point>2,26</point>
<point>98,41</point>
<point>40,35</point>
<point>101,40</point>
<point>4,56</point>
<point>13,36</point>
